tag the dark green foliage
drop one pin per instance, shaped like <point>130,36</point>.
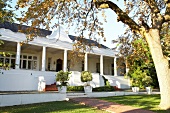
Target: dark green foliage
<point>141,66</point>
<point>140,78</point>
<point>81,88</point>
<point>104,88</point>
<point>75,88</point>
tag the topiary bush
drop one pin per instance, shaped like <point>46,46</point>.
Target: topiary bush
<point>63,77</point>
<point>86,76</point>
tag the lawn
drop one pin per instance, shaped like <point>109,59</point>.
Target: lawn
<point>50,107</point>
<point>149,102</point>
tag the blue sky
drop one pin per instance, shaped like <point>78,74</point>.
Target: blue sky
<point>112,28</point>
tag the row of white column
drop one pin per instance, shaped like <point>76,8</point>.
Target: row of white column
<point>101,64</point>
<point>65,60</point>
<point>44,59</point>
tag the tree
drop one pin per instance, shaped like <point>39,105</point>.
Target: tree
<point>147,20</point>
<point>5,13</point>
<point>140,60</point>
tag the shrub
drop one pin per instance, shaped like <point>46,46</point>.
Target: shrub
<point>104,88</point>
<point>106,82</point>
<point>75,88</point>
<point>86,76</point>
<point>63,77</point>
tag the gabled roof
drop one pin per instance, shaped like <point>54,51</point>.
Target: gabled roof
<point>15,28</point>
<point>43,33</point>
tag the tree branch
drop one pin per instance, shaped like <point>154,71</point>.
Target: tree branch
<point>152,4</point>
<point>122,16</point>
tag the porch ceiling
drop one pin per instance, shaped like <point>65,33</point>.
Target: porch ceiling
<point>26,47</point>
<point>98,56</point>
<point>8,46</point>
<point>54,50</point>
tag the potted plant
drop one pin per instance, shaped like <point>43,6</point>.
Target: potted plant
<point>147,80</point>
<point>62,80</point>
<point>135,86</point>
<point>86,77</point>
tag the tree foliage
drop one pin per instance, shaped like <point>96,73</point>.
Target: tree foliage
<point>144,18</point>
<point>5,13</point>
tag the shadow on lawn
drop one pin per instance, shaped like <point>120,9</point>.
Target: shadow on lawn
<point>148,102</point>
<point>49,107</point>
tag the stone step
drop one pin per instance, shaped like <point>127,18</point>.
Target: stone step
<point>75,95</point>
<point>51,87</point>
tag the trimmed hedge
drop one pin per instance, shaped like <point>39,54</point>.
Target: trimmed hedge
<point>104,88</point>
<point>81,88</point>
<point>75,88</point>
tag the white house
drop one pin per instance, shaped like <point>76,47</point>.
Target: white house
<point>38,61</point>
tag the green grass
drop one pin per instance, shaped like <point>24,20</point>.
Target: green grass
<point>149,102</point>
<point>50,107</point>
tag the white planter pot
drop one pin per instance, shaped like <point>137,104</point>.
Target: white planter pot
<point>135,89</point>
<point>148,90</point>
<point>62,89</point>
<point>87,89</point>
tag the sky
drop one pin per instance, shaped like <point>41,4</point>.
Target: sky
<point>112,29</point>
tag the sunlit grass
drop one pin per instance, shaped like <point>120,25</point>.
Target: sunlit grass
<point>50,107</point>
<point>149,102</point>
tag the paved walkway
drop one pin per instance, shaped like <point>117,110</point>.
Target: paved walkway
<point>108,106</point>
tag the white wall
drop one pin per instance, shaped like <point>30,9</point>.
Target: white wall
<point>54,56</point>
<point>21,99</point>
<point>76,81</point>
<point>92,64</point>
<point>107,66</point>
<point>24,80</point>
<point>76,66</point>
<point>118,81</point>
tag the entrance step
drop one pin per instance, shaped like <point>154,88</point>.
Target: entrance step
<point>51,87</point>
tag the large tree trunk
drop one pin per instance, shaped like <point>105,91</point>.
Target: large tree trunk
<point>161,65</point>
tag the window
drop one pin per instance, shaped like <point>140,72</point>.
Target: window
<point>28,62</point>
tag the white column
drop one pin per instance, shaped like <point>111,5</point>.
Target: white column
<point>86,62</point>
<point>101,64</point>
<point>115,66</point>
<point>43,58</point>
<point>127,68</point>
<point>65,60</point>
<point>17,61</point>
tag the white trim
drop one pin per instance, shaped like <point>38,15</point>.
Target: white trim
<point>65,60</point>
<point>86,62</point>
<point>101,64</point>
<point>43,59</point>
<point>42,41</point>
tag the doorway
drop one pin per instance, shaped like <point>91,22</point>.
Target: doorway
<point>59,65</point>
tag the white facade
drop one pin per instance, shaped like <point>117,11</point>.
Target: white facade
<point>44,56</point>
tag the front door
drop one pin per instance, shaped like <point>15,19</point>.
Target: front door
<point>59,65</point>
